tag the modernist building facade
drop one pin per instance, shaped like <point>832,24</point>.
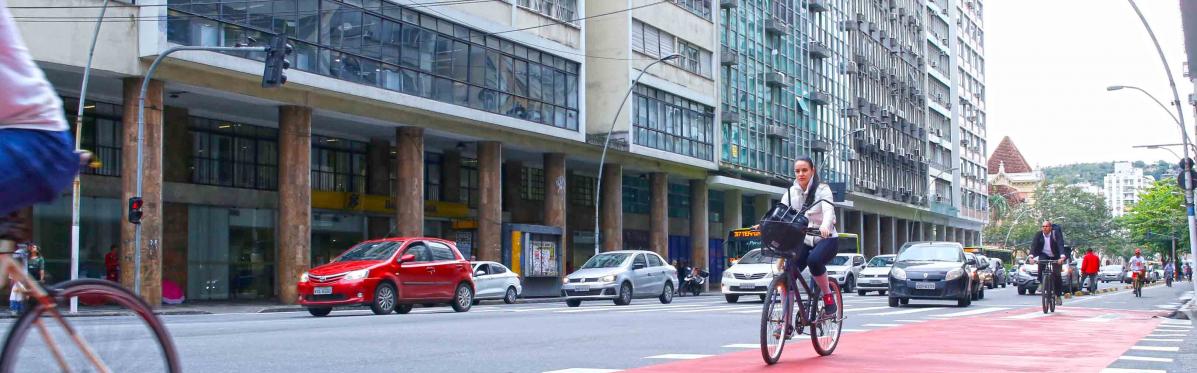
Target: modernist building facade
<point>1123,186</point>
<point>461,120</point>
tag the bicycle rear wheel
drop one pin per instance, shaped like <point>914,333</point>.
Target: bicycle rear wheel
<point>825,332</point>
<point>1048,290</point>
<point>776,316</point>
<point>133,340</point>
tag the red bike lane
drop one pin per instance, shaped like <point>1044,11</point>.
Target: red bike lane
<point>1072,340</point>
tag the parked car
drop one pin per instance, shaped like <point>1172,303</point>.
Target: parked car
<point>845,269</point>
<point>621,276</point>
<point>1070,278</point>
<point>985,272</point>
<point>749,276</point>
<point>495,281</point>
<point>875,276</point>
<point>930,270</point>
<point>1001,277</point>
<point>1027,278</point>
<point>1010,273</point>
<point>1110,272</point>
<point>389,275</point>
<point>973,271</point>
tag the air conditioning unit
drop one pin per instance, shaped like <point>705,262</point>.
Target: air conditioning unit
<point>776,131</point>
<point>851,113</point>
<point>818,50</point>
<point>727,57</point>
<point>777,27</point>
<point>849,68</point>
<point>776,79</point>
<point>728,4</point>
<point>729,116</point>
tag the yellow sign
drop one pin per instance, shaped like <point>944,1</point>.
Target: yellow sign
<point>740,233</point>
<point>516,249</point>
<point>345,201</point>
<point>459,224</point>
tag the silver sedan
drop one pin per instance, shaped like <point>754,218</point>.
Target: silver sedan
<point>621,276</point>
<point>494,281</point>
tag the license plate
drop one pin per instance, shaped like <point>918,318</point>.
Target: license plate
<point>924,285</point>
<point>582,288</point>
<point>322,290</point>
<point>747,287</point>
<point>874,281</point>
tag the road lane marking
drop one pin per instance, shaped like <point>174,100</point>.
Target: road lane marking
<point>1178,322</point>
<point>583,370</point>
<point>865,309</point>
<point>1162,340</point>
<point>1156,348</point>
<point>846,330</point>
<point>1120,370</point>
<point>1103,318</point>
<point>1143,358</point>
<point>679,356</point>
<point>742,345</point>
<point>1166,335</point>
<point>882,325</point>
<point>731,308</point>
<point>1028,316</point>
<point>1174,326</point>
<point>973,312</point>
<point>663,308</point>
<point>903,312</point>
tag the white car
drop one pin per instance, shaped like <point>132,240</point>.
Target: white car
<point>494,281</point>
<point>845,269</point>
<point>749,276</point>
<point>875,276</point>
<point>1110,273</point>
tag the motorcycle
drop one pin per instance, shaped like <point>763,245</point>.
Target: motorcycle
<point>694,284</point>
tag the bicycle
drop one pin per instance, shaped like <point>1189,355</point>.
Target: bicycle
<point>778,322</point>
<point>136,343</point>
<point>1137,283</point>
<point>1048,276</point>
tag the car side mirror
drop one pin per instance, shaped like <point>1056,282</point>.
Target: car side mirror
<point>972,262</point>
<point>407,258</point>
<point>480,273</point>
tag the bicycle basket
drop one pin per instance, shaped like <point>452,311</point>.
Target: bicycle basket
<point>783,231</point>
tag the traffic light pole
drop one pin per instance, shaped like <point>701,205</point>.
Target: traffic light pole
<point>145,83</point>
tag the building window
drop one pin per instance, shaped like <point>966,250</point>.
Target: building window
<point>561,10</point>
<point>637,195</point>
<point>715,206</point>
<point>102,133</point>
<point>432,176</point>
<point>668,122</point>
<point>390,46</point>
<point>533,184</point>
<point>469,182</point>
<point>581,190</point>
<point>338,165</point>
<point>656,43</point>
<point>233,154</point>
<point>701,8</point>
<point>679,201</point>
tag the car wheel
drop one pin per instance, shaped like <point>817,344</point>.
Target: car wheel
<point>667,295</point>
<point>966,297</point>
<point>851,283</point>
<point>403,309</point>
<point>384,299</point>
<point>573,302</point>
<point>463,298</point>
<point>1022,290</point>
<point>731,298</point>
<point>625,295</point>
<point>320,311</point>
<point>509,298</point>
<point>881,292</point>
<point>1003,284</point>
<point>981,294</point>
<point>762,297</point>
<point>893,301</point>
<point>861,292</point>
<point>904,301</point>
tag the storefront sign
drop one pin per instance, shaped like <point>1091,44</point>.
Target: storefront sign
<point>345,201</point>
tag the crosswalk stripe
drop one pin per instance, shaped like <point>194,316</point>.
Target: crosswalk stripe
<point>1178,322</point>
<point>1166,335</point>
<point>1121,370</point>
<point>903,312</point>
<point>1143,358</point>
<point>678,356</point>
<point>865,309</point>
<point>742,345</point>
<point>730,308</point>
<point>1155,348</point>
<point>1028,316</point>
<point>882,325</point>
<point>1162,340</point>
<point>1174,326</point>
<point>973,312</point>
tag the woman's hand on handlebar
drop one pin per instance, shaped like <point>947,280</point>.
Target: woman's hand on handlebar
<point>824,232</point>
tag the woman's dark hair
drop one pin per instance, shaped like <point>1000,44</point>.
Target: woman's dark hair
<point>814,179</point>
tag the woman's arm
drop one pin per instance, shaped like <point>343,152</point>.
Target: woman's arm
<point>828,209</point>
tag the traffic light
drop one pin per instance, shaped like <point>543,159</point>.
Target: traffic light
<point>276,62</point>
<point>135,205</point>
<point>1186,168</point>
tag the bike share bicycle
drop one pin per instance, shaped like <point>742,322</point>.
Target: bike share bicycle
<point>785,311</point>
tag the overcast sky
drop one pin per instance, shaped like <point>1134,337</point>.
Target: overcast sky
<point>1048,63</point>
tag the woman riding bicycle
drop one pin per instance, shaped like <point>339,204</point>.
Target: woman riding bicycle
<point>816,251</point>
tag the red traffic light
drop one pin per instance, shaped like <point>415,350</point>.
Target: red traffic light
<point>135,203</point>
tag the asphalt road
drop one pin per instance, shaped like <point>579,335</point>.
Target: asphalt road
<point>551,337</point>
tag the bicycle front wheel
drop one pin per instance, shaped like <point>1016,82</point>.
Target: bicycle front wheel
<point>825,333</point>
<point>1048,291</point>
<point>132,340</point>
<point>776,316</point>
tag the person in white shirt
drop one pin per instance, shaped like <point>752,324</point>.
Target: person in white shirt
<point>1137,264</point>
<point>816,251</point>
<point>37,154</point>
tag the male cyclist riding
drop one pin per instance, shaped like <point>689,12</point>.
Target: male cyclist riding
<point>1046,247</point>
<point>37,154</point>
<point>1138,266</point>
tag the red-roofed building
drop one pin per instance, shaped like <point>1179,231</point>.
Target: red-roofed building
<point>1010,175</point>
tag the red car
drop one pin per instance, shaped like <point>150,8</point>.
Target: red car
<point>388,275</point>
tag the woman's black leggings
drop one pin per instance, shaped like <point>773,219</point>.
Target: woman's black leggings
<point>816,258</point>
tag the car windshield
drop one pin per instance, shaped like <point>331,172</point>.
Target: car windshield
<point>881,261</point>
<point>931,253</point>
<point>370,251</point>
<point>839,260</point>
<point>606,260</point>
<point>755,257</point>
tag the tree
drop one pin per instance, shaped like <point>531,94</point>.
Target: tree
<point>1159,215</point>
<point>1083,216</point>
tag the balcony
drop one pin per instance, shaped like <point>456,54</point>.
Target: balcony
<point>776,79</point>
<point>818,50</point>
<point>819,145</point>
<point>729,116</point>
<point>774,130</point>
<point>727,57</point>
<point>777,27</point>
<point>817,6</point>
<point>943,208</point>
<point>728,4</point>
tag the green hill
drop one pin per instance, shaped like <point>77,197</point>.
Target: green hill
<point>1095,173</point>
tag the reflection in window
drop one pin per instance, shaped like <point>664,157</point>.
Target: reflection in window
<point>233,154</point>
<point>667,122</point>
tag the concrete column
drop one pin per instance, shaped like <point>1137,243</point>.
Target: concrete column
<point>513,187</point>
<point>490,201</point>
<point>941,232</point>
<point>761,203</point>
<point>888,235</point>
<point>378,179</point>
<point>451,176</point>
<point>699,224</point>
<point>903,234</point>
<point>852,223</point>
<point>554,196</point>
<point>733,209</point>
<point>177,146</point>
<point>612,209</point>
<point>295,199</point>
<point>409,181</point>
<point>151,220</point>
<point>659,213</point>
<point>872,241</point>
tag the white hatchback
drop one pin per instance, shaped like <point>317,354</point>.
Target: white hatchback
<point>750,275</point>
<point>495,281</point>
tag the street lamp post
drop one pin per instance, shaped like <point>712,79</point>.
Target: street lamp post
<point>1180,120</point>
<point>598,188</point>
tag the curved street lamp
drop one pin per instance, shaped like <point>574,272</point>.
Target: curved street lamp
<point>598,188</point>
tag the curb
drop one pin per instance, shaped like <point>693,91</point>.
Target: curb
<point>114,313</point>
<point>538,300</point>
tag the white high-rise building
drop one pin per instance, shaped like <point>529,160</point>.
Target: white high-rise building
<point>1123,187</point>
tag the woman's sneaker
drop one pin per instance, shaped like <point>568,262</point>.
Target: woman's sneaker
<point>829,306</point>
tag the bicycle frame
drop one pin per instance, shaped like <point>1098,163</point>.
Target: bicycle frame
<point>793,279</point>
<point>11,268</point>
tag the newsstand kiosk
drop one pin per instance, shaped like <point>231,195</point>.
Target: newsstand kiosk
<point>535,253</point>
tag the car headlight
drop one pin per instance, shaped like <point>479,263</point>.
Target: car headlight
<point>607,278</point>
<point>303,277</point>
<point>565,280</point>
<point>357,275</point>
<point>898,274</point>
<point>832,273</point>
<point>727,274</point>
<point>954,274</point>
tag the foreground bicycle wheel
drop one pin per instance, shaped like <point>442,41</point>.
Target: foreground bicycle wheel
<point>135,341</point>
<point>1047,299</point>
<point>825,333</point>
<point>776,315</point>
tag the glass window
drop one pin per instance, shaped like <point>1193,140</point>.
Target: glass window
<point>640,261</point>
<point>533,184</point>
<point>498,269</point>
<point>233,154</point>
<point>483,267</point>
<point>441,253</point>
<point>654,261</point>
<point>582,188</point>
<point>370,251</point>
<point>667,122</point>
<point>338,165</point>
<point>421,253</point>
<point>102,133</point>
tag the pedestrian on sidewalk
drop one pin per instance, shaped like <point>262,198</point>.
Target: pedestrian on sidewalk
<point>36,265</point>
<point>16,297</point>
<point>112,265</point>
<point>1090,265</point>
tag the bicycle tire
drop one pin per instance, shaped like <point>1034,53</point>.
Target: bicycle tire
<point>818,329</point>
<point>773,299</point>
<point>100,290</point>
